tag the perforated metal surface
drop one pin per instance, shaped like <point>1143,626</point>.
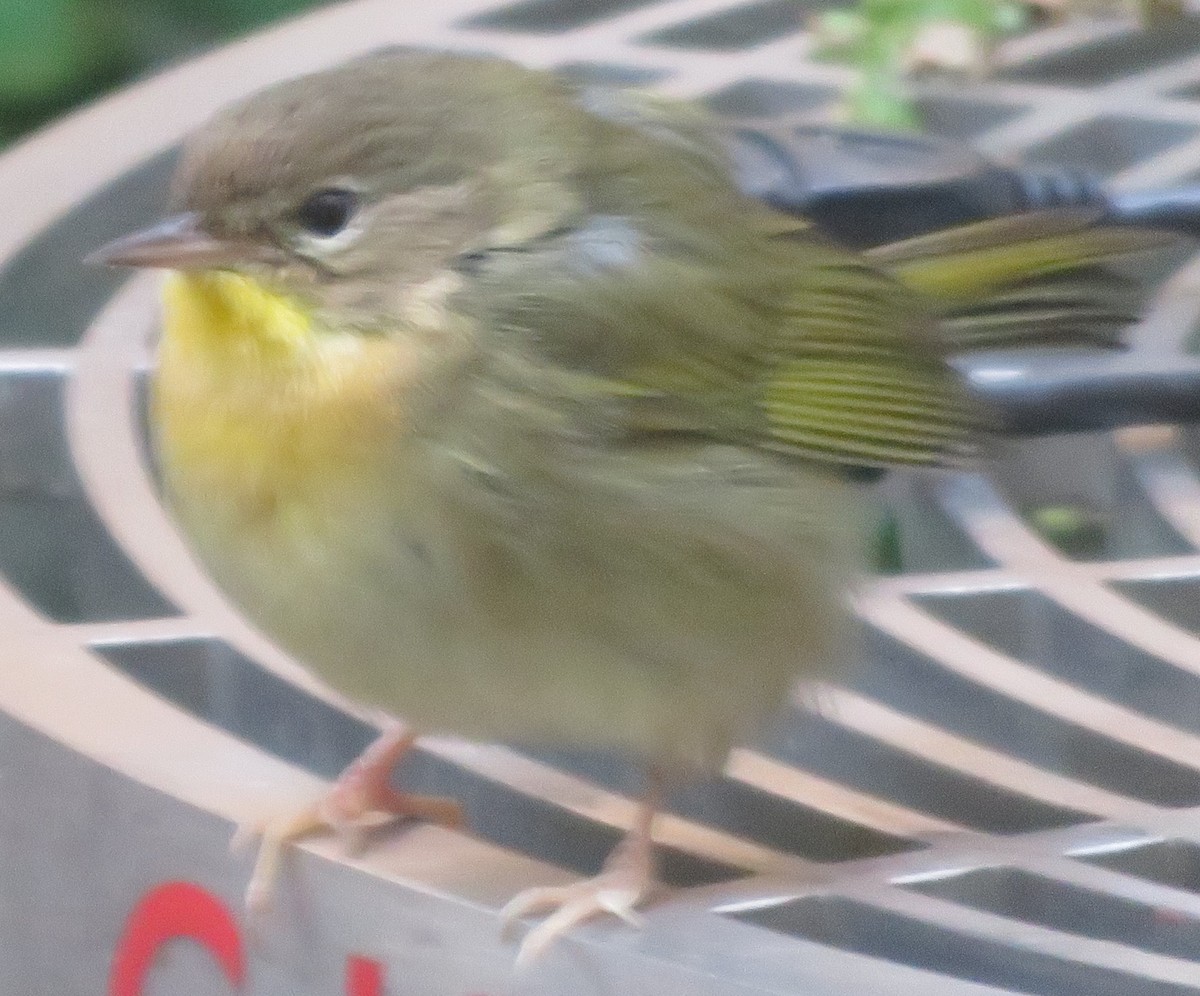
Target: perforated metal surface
<point>1004,796</point>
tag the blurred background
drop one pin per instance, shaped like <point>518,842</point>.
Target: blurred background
<point>55,54</point>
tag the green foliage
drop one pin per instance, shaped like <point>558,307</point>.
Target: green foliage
<point>888,40</point>
<point>1079,532</point>
<point>886,552</point>
<point>883,39</point>
<point>39,45</point>
<point>57,53</point>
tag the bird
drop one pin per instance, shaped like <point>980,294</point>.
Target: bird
<point>490,397</point>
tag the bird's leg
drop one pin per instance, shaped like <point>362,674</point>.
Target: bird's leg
<point>624,883</point>
<point>362,792</point>
<point>365,787</point>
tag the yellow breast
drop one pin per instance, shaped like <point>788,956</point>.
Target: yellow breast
<point>256,404</point>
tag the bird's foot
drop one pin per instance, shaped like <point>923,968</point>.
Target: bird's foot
<point>613,892</point>
<point>625,882</point>
<point>362,797</point>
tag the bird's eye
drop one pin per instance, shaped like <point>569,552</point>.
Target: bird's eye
<point>327,212</point>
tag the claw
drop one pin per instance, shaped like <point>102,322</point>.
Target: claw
<point>555,926</point>
<point>273,835</point>
<point>528,902</point>
<point>627,912</point>
<point>623,884</point>
<point>573,905</point>
<point>360,796</point>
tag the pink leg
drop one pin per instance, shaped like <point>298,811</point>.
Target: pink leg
<point>363,791</point>
<point>365,787</point>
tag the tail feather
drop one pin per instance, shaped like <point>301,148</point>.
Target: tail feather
<point>1037,279</point>
<point>1091,307</point>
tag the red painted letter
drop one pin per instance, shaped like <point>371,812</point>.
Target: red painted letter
<point>363,977</point>
<point>175,909</point>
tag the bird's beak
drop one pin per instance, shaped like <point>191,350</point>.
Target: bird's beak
<point>176,243</point>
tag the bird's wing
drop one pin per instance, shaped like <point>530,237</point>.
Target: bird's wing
<point>744,332</point>
<point>854,376</point>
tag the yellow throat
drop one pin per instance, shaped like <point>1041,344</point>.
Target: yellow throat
<point>253,398</point>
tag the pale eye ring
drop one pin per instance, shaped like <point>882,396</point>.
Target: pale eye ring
<point>326,212</point>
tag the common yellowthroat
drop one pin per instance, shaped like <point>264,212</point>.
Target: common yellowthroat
<point>498,405</point>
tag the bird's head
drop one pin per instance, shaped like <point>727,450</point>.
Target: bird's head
<point>364,191</point>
